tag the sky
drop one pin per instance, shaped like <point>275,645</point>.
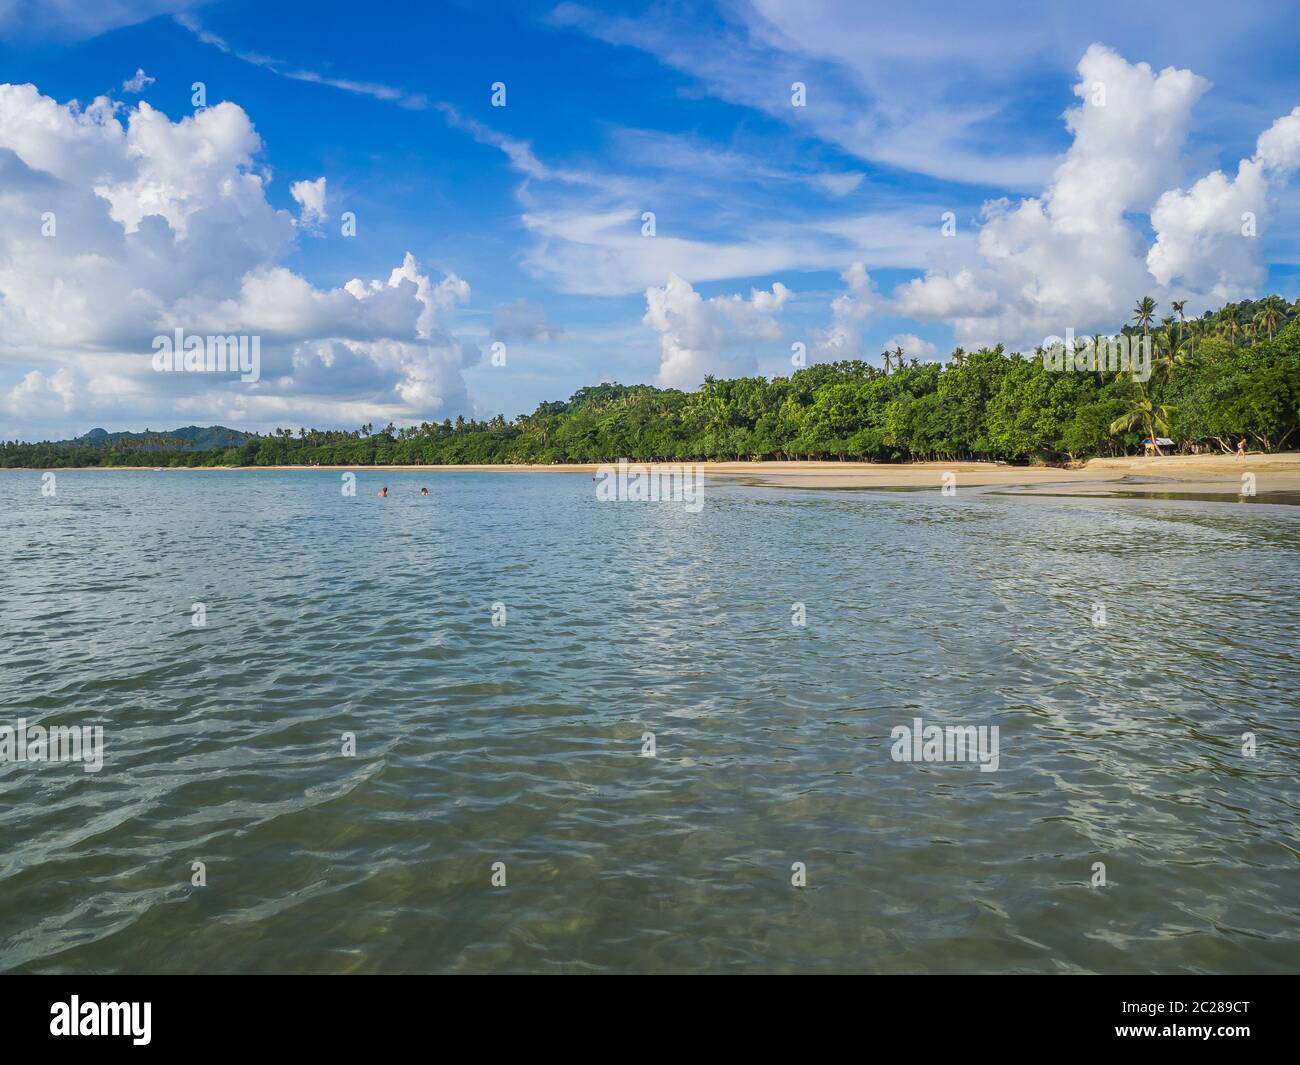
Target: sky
<point>428,211</point>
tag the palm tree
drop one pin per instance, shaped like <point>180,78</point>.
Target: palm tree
<point>1178,306</point>
<point>1153,417</point>
<point>1144,314</point>
<point>1232,321</point>
<point>1100,347</point>
<point>1271,314</point>
<point>885,355</point>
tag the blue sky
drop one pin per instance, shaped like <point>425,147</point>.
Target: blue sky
<point>774,223</point>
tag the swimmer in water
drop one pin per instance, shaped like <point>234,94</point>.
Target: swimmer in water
<point>383,492</point>
<point>424,491</point>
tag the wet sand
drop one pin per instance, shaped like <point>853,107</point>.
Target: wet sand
<point>1204,475</point>
<point>1198,474</point>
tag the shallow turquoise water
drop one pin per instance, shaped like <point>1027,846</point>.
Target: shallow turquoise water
<point>522,743</point>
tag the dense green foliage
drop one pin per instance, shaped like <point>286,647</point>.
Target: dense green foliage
<point>1231,373</point>
<point>189,438</point>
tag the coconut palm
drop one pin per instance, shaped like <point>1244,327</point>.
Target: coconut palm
<point>1178,306</point>
<point>1232,321</point>
<point>1144,314</point>
<point>1271,314</point>
<point>1100,345</point>
<point>1153,417</point>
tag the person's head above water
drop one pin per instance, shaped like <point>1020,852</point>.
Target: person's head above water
<point>424,491</point>
<point>383,491</point>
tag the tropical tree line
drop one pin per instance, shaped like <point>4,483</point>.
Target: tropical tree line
<point>1229,374</point>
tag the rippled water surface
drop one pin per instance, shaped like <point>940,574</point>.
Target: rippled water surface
<point>522,743</point>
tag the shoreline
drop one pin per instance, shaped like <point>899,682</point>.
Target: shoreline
<point>1215,475</point>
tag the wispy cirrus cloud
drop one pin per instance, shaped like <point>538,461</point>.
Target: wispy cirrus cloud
<point>389,94</point>
<point>959,93</point>
<point>76,20</point>
<point>585,218</point>
<point>887,90</point>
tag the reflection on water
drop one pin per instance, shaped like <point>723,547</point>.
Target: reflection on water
<point>522,743</point>
<point>1284,498</point>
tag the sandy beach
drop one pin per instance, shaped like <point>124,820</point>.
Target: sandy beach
<point>1193,474</point>
<point>1208,475</point>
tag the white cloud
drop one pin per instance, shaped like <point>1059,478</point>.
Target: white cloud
<point>1278,148</point>
<point>39,394</point>
<point>940,89</point>
<point>892,90</point>
<point>913,346</point>
<point>114,230</point>
<point>137,82</point>
<point>310,197</point>
<point>587,224</point>
<point>842,339</point>
<point>1204,239</point>
<point>697,336</point>
<point>940,295</point>
<point>374,90</point>
<point>604,253</point>
<point>76,19</point>
<point>839,184</point>
<point>1072,257</point>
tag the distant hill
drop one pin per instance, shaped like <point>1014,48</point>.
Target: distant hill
<point>190,438</point>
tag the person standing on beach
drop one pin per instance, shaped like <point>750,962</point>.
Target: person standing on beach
<point>1241,448</point>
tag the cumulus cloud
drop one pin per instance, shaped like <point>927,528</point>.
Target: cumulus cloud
<point>137,82</point>
<point>698,336</point>
<point>942,295</point>
<point>913,346</point>
<point>1072,257</point>
<point>842,339</point>
<point>1076,257</point>
<point>119,225</point>
<point>41,394</point>
<point>310,197</point>
<point>1207,237</point>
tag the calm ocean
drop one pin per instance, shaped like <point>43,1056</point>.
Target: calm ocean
<point>633,767</point>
